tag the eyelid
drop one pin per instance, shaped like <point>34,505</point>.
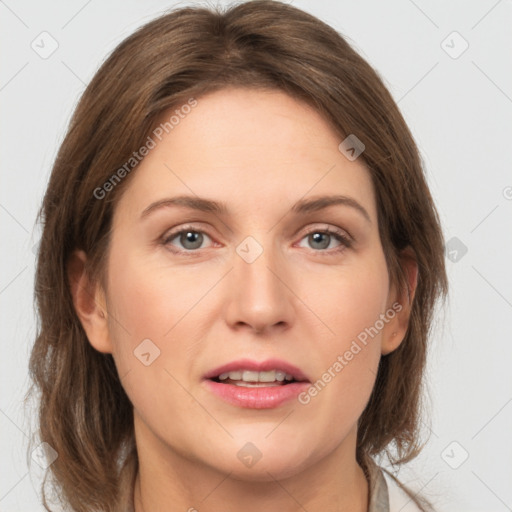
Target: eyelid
<point>344,237</point>
<point>172,233</point>
<point>332,230</point>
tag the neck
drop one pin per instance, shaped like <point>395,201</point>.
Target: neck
<point>335,482</point>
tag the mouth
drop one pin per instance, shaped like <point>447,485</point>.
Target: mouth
<point>256,385</point>
<point>255,379</point>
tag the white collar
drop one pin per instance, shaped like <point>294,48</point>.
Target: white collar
<point>386,494</point>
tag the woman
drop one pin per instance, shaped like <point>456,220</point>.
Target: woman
<point>239,263</point>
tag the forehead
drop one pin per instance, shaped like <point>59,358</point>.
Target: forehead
<point>248,147</point>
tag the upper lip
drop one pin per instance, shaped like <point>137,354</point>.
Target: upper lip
<point>259,366</point>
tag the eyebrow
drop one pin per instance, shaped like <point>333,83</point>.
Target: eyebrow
<point>301,207</point>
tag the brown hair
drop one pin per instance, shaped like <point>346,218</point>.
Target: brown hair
<point>84,413</point>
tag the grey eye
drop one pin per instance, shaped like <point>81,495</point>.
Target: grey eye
<point>191,239</point>
<point>319,240</point>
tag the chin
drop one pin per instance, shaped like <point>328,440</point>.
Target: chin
<point>268,468</point>
<point>263,460</point>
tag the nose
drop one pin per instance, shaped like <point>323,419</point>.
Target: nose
<point>260,296</point>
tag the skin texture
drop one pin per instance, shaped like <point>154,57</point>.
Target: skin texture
<point>258,152</point>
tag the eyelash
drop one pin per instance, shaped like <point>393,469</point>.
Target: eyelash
<point>344,240</point>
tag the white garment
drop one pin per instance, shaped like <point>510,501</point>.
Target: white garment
<point>385,493</point>
<point>399,501</point>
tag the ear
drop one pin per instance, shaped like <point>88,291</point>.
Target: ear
<point>401,304</point>
<point>89,303</point>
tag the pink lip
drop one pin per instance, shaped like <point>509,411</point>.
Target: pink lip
<point>257,398</point>
<point>261,366</point>
<point>265,397</point>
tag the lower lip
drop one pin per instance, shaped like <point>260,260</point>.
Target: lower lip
<point>257,397</point>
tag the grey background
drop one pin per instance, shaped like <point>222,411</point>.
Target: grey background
<point>460,112</point>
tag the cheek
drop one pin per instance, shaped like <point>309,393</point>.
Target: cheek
<point>352,301</point>
<point>142,308</point>
<point>349,358</point>
<point>151,301</point>
<point>155,337</point>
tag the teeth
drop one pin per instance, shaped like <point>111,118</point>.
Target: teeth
<point>249,376</point>
<point>230,375</point>
<point>280,375</point>
<point>252,376</point>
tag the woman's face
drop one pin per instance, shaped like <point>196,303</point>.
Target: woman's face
<point>270,278</point>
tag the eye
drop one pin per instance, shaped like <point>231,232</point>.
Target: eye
<point>324,239</point>
<point>190,239</point>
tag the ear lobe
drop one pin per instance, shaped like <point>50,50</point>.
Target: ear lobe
<point>89,302</point>
<point>396,329</point>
